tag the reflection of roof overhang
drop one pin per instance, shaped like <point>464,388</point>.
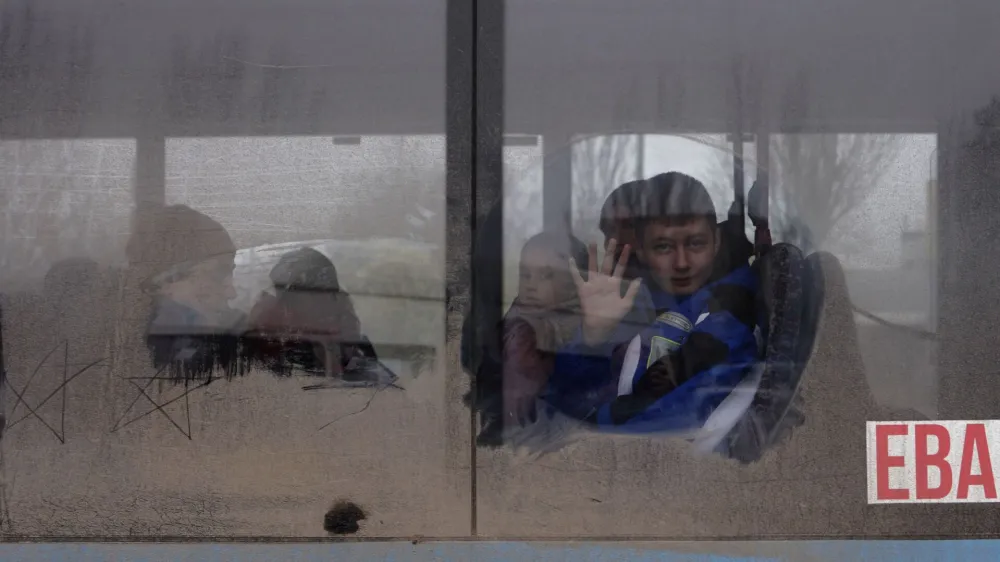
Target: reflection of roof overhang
<point>102,68</point>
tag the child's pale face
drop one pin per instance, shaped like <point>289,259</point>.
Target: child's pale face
<point>545,280</point>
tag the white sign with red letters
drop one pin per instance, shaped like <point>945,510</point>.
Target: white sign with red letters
<point>939,461</point>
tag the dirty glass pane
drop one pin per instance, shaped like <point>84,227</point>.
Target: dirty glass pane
<point>866,199</point>
<point>598,163</point>
<point>63,199</point>
<point>223,289</point>
<point>602,163</point>
<point>522,198</point>
<point>855,270</point>
<point>382,230</point>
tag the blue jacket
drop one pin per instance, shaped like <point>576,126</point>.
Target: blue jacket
<point>689,359</point>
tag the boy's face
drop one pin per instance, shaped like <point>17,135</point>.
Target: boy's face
<point>544,279</point>
<point>680,256</point>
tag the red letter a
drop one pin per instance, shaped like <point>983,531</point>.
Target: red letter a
<point>975,441</point>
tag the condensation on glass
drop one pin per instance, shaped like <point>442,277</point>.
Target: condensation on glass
<point>876,160</point>
<point>224,277</point>
<point>223,272</point>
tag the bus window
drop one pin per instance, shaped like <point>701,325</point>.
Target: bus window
<point>66,212</point>
<point>224,271</point>
<point>702,373</point>
<point>872,209</point>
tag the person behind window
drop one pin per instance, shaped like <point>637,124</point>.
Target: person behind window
<point>185,262</point>
<point>701,344</point>
<point>310,323</point>
<point>543,318</point>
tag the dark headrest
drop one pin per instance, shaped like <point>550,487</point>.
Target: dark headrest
<point>757,204</point>
<point>305,269</point>
<point>734,248</point>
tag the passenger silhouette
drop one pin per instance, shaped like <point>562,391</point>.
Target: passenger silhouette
<point>310,325</point>
<point>185,262</point>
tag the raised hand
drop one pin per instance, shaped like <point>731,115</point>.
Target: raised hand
<point>601,299</point>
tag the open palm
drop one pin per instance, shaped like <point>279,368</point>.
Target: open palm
<point>601,299</point>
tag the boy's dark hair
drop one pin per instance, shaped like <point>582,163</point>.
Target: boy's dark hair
<point>622,204</point>
<point>675,198</point>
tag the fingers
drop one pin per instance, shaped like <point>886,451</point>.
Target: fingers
<point>609,257</point>
<point>591,266</point>
<point>608,265</point>
<point>622,262</point>
<point>633,290</point>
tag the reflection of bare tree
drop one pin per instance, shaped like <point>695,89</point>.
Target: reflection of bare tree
<point>600,164</point>
<point>818,179</point>
<point>60,199</point>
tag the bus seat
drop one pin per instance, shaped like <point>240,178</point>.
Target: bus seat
<point>789,303</point>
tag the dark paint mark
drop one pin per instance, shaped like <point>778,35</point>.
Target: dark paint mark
<point>307,327</point>
<point>33,411</point>
<point>186,261</point>
<point>157,407</point>
<point>343,518</point>
<point>362,410</point>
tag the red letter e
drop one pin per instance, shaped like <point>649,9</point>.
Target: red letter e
<point>884,461</point>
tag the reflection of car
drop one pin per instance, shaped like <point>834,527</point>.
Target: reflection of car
<point>397,286</point>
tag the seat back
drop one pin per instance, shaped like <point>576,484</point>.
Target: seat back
<point>789,304</point>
